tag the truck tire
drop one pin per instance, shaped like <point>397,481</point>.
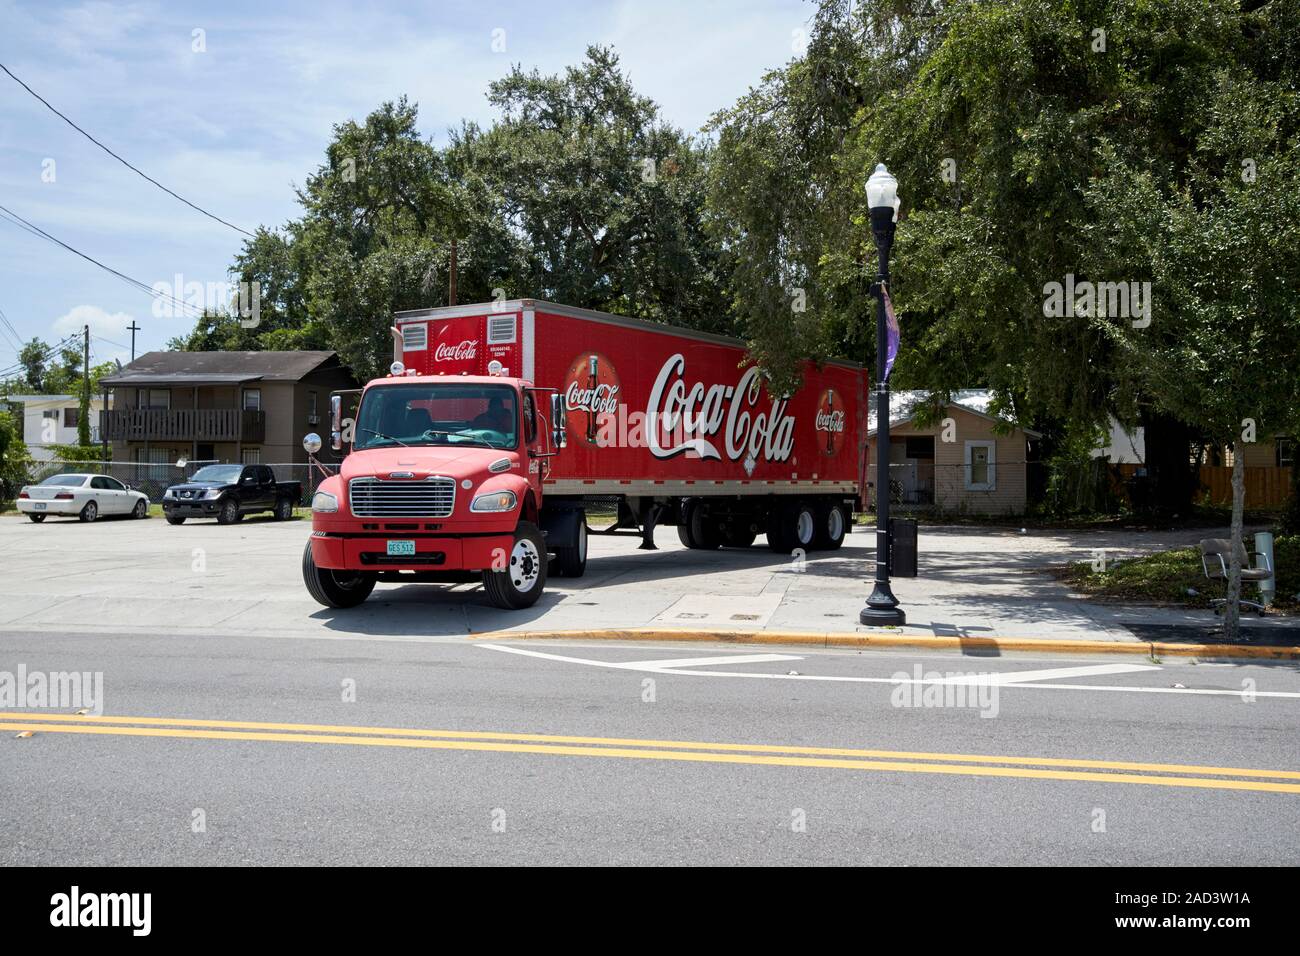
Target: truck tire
<point>335,588</point>
<point>792,527</point>
<point>833,523</point>
<point>283,509</point>
<point>697,530</point>
<point>522,581</point>
<point>175,519</point>
<point>572,562</point>
<point>228,513</point>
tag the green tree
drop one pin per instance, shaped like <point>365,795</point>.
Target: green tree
<point>14,459</point>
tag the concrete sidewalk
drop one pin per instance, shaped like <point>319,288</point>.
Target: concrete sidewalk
<point>146,576</point>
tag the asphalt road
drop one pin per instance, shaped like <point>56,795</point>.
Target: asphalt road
<point>694,761</point>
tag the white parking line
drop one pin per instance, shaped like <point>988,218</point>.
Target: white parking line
<point>1035,675</point>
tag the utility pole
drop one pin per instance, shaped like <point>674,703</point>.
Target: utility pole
<point>83,413</point>
<point>133,328</point>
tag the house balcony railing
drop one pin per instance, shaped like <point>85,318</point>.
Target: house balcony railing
<point>184,424</point>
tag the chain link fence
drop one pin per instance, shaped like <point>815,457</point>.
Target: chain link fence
<point>154,479</point>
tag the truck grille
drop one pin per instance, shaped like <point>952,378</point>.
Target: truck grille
<point>375,498</point>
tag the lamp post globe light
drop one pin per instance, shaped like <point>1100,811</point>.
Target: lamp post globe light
<point>883,202</point>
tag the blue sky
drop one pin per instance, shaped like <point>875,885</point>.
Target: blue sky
<point>235,126</point>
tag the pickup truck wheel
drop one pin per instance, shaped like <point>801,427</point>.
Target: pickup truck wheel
<point>832,526</point>
<point>572,562</point>
<point>90,512</point>
<point>284,509</point>
<point>335,588</point>
<point>229,512</point>
<point>523,579</point>
<point>175,519</point>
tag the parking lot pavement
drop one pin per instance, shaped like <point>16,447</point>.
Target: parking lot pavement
<point>147,576</point>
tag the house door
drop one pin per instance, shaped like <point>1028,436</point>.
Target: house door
<point>205,452</point>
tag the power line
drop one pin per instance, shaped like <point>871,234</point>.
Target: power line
<point>10,330</point>
<point>12,217</point>
<point>45,354</point>
<point>120,159</point>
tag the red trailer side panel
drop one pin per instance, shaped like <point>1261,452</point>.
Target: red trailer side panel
<point>657,410</point>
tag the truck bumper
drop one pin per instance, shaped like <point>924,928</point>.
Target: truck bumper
<point>346,552</point>
<point>202,508</point>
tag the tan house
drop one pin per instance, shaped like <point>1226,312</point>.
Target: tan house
<point>968,461</point>
<point>241,407</point>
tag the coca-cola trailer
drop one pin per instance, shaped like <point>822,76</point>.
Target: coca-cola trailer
<point>502,424</point>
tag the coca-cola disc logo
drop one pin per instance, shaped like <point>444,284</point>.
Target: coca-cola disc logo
<point>456,351</point>
<point>829,422</point>
<point>592,393</point>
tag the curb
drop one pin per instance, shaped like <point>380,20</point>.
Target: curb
<point>868,641</point>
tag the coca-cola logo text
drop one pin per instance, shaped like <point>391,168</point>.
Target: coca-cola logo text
<point>446,352</point>
<point>599,400</point>
<point>829,421</point>
<point>693,415</point>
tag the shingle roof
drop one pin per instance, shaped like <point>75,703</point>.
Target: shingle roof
<point>193,368</point>
<point>903,406</point>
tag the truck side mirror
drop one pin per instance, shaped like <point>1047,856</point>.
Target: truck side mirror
<point>336,422</point>
<point>559,421</point>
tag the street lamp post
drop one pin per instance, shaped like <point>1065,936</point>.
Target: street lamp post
<point>882,199</point>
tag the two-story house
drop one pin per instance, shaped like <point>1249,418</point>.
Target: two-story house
<point>50,420</point>
<point>245,407</point>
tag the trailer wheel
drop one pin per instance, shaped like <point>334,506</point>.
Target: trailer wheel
<point>523,579</point>
<point>335,588</point>
<point>792,527</point>
<point>572,562</point>
<point>832,525</point>
<point>697,530</point>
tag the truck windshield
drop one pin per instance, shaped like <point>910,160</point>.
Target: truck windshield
<point>438,414</point>
<point>227,474</point>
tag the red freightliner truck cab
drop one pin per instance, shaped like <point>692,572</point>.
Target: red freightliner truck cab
<point>501,424</point>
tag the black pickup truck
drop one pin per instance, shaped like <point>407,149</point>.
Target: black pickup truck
<point>228,492</point>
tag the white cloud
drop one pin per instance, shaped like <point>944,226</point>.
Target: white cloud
<point>101,322</point>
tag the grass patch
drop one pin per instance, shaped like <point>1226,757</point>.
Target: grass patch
<point>1167,576</point>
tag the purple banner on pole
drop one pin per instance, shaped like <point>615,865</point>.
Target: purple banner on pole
<point>892,334</point>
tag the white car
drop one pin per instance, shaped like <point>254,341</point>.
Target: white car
<point>86,496</point>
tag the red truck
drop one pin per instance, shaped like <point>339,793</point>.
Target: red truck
<point>501,424</point>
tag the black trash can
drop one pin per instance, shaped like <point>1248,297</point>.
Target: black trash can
<point>902,547</point>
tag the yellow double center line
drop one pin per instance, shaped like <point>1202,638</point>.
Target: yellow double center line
<point>834,758</point>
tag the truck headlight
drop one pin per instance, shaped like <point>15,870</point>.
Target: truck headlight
<point>324,502</point>
<point>212,493</point>
<point>494,501</point>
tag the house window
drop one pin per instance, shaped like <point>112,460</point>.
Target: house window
<point>1285,448</point>
<point>154,398</point>
<point>981,466</point>
<point>251,456</point>
<point>252,399</point>
<point>312,412</point>
<point>71,416</point>
<point>50,413</point>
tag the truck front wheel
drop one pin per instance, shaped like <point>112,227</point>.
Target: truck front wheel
<point>520,582</point>
<point>335,588</point>
<point>228,513</point>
